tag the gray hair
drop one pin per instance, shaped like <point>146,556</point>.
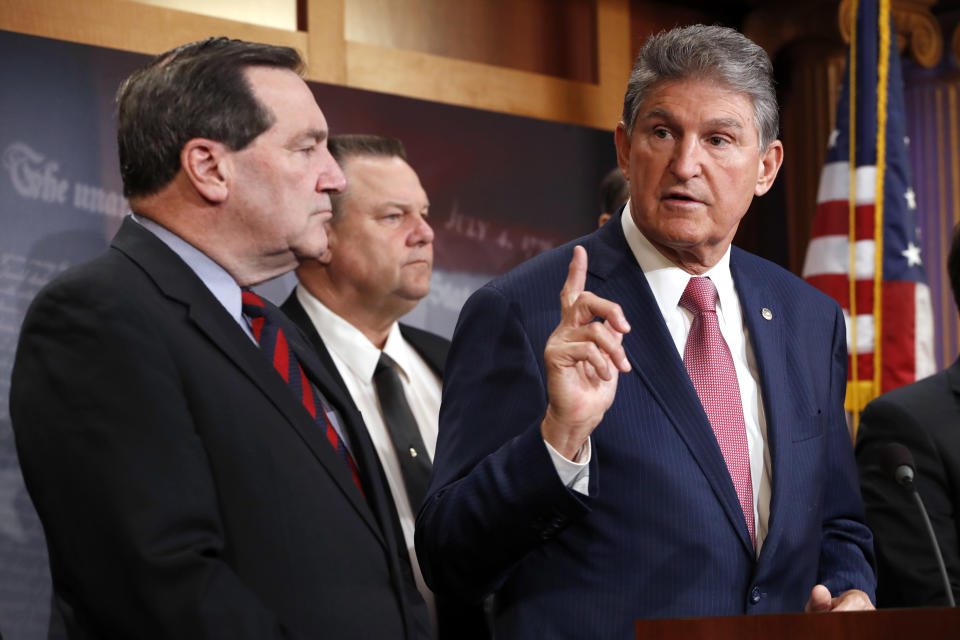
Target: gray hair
<point>711,52</point>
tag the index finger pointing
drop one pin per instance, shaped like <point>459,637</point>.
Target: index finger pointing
<point>576,278</point>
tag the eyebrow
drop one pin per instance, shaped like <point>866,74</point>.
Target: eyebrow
<point>402,205</point>
<point>715,123</point>
<point>317,135</point>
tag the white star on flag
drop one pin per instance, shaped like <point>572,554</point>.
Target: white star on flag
<point>911,198</point>
<point>832,142</point>
<point>912,254</point>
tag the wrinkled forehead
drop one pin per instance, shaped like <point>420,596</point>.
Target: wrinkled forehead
<point>718,100</point>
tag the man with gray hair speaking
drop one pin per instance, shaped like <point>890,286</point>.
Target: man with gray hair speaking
<point>668,438</point>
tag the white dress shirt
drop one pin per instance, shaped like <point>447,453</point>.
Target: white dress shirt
<point>356,360</point>
<point>668,281</point>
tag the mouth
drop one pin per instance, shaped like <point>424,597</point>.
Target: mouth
<point>681,198</point>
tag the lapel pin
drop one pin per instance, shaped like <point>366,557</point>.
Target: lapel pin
<point>766,313</point>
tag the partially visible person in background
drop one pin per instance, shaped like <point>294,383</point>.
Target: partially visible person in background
<point>925,418</point>
<point>348,302</point>
<point>614,191</point>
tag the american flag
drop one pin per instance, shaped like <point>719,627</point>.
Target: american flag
<point>890,323</point>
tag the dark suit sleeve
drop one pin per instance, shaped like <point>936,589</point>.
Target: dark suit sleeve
<point>495,495</point>
<point>846,550</point>
<point>120,478</point>
<point>907,569</point>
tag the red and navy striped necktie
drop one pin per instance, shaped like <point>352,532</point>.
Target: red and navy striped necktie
<point>268,334</point>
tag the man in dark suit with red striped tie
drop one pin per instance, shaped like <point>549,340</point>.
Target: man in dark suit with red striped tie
<point>194,476</point>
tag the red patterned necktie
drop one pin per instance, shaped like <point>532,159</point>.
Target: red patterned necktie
<point>710,365</point>
<point>266,329</point>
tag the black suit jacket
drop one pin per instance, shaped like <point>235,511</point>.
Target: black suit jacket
<point>183,490</point>
<point>456,620</point>
<point>925,417</point>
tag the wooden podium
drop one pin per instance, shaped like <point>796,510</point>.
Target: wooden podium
<point>912,624</point>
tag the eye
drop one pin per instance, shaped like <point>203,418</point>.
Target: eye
<point>661,133</point>
<point>718,141</point>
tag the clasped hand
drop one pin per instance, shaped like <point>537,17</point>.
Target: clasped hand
<point>583,358</point>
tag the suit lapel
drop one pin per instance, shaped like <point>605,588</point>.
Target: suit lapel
<point>178,282</point>
<point>766,333</point>
<point>953,375</point>
<point>432,348</point>
<point>655,360</point>
<point>295,311</point>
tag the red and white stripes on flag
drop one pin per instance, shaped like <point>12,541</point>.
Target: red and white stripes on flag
<point>863,249</point>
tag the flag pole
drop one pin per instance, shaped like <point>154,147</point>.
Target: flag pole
<point>883,72</point>
<point>853,391</point>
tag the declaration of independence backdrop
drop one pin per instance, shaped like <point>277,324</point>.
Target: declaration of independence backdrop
<point>502,188</point>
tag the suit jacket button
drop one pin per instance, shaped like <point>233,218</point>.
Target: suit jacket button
<point>755,595</point>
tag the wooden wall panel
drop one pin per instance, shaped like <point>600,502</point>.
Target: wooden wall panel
<point>279,14</point>
<point>589,41</point>
<point>129,26</point>
<point>550,37</point>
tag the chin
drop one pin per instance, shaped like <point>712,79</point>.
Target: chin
<point>310,253</point>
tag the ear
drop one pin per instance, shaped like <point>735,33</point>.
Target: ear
<point>206,164</point>
<point>622,139</point>
<point>770,162</point>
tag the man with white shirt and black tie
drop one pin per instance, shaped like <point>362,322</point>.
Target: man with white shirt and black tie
<point>375,270</point>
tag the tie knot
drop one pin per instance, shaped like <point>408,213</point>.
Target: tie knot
<point>384,362</point>
<point>386,367</point>
<point>253,305</point>
<point>699,296</point>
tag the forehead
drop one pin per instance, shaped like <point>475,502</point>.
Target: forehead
<point>697,100</point>
<point>286,96</point>
<point>381,176</point>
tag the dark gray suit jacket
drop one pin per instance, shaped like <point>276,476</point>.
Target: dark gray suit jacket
<point>925,417</point>
<point>184,490</point>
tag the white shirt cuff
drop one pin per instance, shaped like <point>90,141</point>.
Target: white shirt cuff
<point>574,475</point>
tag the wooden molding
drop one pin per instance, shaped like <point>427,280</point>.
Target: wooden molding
<point>130,26</point>
<point>330,58</point>
<point>918,32</point>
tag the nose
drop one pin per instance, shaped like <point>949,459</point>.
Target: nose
<point>422,232</point>
<point>686,161</point>
<point>331,178</point>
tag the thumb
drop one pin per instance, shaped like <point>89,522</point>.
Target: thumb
<point>820,600</point>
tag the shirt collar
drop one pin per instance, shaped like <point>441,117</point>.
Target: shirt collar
<point>347,342</point>
<point>667,280</point>
<point>220,283</point>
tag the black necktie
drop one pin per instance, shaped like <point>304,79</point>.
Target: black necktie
<point>404,432</point>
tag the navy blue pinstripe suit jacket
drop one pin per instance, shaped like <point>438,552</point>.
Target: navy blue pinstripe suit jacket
<point>661,532</point>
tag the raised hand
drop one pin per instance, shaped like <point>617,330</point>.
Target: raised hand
<point>583,359</point>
